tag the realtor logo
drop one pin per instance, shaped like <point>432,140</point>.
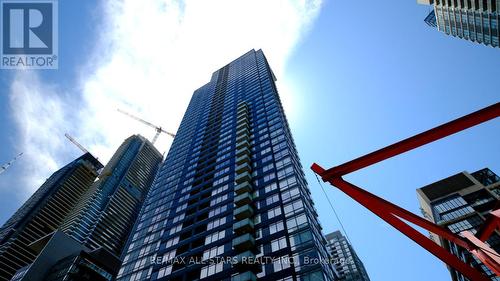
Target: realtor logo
<point>28,34</point>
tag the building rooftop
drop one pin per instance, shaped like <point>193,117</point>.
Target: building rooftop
<point>446,186</point>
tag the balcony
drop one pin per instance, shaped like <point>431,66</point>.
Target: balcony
<point>245,167</point>
<point>243,199</point>
<point>243,138</point>
<point>242,113</point>
<point>246,257</point>
<point>244,131</point>
<point>243,187</point>
<point>242,151</point>
<point>486,177</point>
<point>244,177</point>
<point>243,143</point>
<point>243,212</point>
<point>242,117</point>
<point>243,125</point>
<point>243,226</point>
<point>243,159</point>
<point>243,242</point>
<point>245,276</point>
<point>242,105</point>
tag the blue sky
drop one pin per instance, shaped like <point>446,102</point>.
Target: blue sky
<point>353,78</point>
<point>75,38</point>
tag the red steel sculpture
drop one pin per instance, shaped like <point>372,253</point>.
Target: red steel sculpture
<point>394,215</point>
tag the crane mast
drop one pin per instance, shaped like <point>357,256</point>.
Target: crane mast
<point>7,165</point>
<point>71,139</point>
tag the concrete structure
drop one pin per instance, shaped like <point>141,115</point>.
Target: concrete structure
<point>106,215</point>
<point>232,188</point>
<point>472,20</point>
<point>62,258</point>
<point>345,259</point>
<point>90,240</point>
<point>462,202</point>
<point>44,212</point>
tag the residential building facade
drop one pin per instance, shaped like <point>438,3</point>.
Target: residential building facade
<point>473,20</point>
<point>462,202</point>
<point>230,202</point>
<point>349,266</point>
<point>44,212</point>
<point>89,242</point>
<point>106,215</point>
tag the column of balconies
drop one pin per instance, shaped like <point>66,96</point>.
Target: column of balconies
<point>244,241</point>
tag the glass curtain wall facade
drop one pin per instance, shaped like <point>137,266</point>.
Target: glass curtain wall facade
<point>105,217</point>
<point>345,259</point>
<point>231,187</point>
<point>462,202</point>
<point>44,212</point>
<point>473,20</point>
<point>90,241</point>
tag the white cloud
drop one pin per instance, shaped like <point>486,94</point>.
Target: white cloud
<point>41,115</point>
<point>150,58</point>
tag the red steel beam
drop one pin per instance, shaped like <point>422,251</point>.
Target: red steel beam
<point>408,144</point>
<point>391,214</point>
<point>373,200</point>
<point>394,214</point>
<point>491,224</point>
<point>484,252</point>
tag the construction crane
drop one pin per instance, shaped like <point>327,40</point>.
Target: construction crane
<point>71,139</point>
<point>7,165</point>
<point>158,129</point>
<point>104,174</point>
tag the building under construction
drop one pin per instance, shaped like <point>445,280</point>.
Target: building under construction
<point>90,240</point>
<point>44,212</point>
